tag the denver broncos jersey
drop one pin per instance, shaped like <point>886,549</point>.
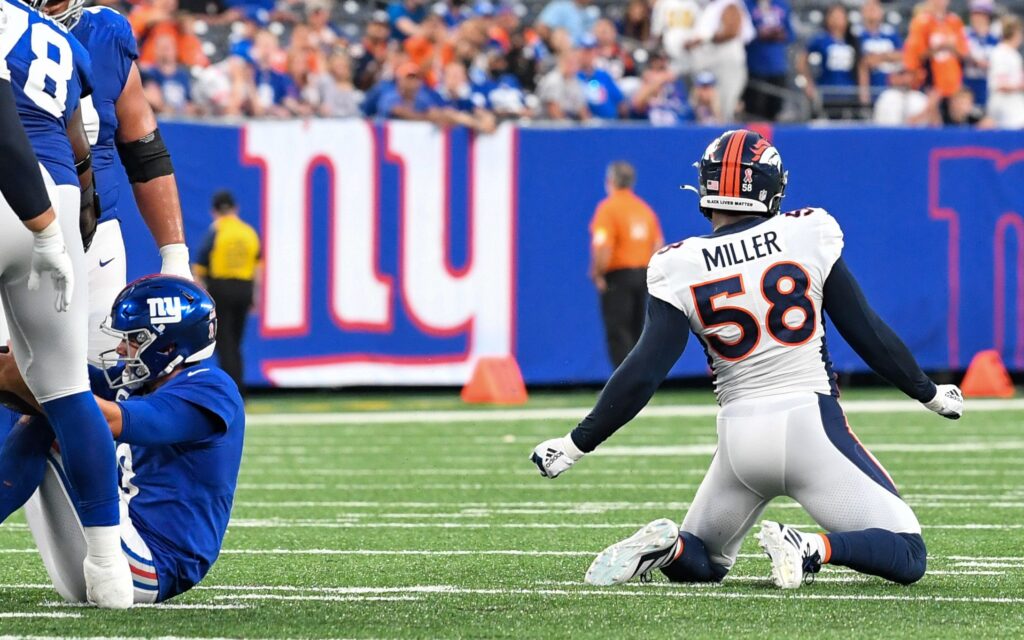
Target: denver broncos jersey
<point>180,495</point>
<point>108,37</point>
<point>49,72</point>
<point>752,292</point>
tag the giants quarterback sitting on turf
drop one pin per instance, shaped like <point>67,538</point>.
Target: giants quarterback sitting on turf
<point>179,424</point>
<point>753,292</point>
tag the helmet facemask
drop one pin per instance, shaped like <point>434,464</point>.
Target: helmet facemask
<point>69,17</point>
<point>130,369</point>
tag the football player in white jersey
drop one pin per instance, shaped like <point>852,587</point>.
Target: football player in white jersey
<point>753,292</point>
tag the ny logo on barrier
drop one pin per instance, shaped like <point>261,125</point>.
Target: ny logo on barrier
<point>982,226</point>
<point>439,300</point>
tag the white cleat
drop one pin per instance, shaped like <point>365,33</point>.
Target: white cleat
<point>109,585</point>
<point>794,555</point>
<point>653,546</point>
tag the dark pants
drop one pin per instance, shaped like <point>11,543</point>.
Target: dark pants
<point>758,102</point>
<point>233,299</point>
<point>623,305</point>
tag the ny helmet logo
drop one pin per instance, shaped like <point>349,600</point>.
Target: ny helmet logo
<point>164,310</point>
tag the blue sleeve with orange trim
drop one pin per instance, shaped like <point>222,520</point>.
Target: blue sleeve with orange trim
<point>870,337</point>
<point>638,377</point>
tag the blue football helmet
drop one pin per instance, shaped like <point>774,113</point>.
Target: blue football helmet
<point>162,322</point>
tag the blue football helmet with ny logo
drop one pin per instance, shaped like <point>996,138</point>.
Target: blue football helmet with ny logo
<point>162,322</point>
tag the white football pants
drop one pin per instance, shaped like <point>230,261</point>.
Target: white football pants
<point>797,445</point>
<point>55,526</point>
<point>50,345</point>
<point>107,275</point>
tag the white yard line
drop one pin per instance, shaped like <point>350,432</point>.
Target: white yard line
<point>36,614</point>
<point>681,591</point>
<point>964,561</point>
<point>340,524</point>
<point>575,413</point>
<point>900,447</point>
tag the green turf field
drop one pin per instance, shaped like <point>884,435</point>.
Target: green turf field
<point>378,524</point>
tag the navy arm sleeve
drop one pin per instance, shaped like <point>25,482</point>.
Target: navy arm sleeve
<point>203,257</point>
<point>20,181</point>
<point>873,340</point>
<point>159,420</point>
<point>638,377</point>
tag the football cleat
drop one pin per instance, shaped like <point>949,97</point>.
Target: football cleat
<point>795,556</point>
<point>654,546</point>
<point>109,585</point>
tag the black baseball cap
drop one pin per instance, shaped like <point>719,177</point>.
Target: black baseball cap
<point>223,200</point>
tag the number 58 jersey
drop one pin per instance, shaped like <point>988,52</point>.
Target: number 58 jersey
<point>753,294</point>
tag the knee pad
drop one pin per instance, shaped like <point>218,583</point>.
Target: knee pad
<point>917,556</point>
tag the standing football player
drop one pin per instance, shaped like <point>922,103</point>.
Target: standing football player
<point>179,424</point>
<point>46,72</point>
<point>753,292</point>
<point>119,120</point>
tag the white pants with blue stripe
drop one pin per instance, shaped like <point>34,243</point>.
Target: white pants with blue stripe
<point>54,524</point>
<point>797,445</point>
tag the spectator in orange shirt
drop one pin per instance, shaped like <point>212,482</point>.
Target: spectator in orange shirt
<point>155,18</point>
<point>936,48</point>
<point>624,235</point>
<point>426,49</point>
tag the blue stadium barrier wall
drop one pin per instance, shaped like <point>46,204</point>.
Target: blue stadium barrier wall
<point>398,254</point>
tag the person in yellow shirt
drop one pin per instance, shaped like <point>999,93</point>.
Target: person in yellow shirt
<point>229,266</point>
<point>624,235</point>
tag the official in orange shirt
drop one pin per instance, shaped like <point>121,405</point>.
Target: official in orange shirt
<point>936,48</point>
<point>624,235</point>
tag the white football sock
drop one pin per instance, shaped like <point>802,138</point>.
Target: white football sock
<point>103,543</point>
<point>816,543</point>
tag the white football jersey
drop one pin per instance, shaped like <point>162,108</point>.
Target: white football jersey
<point>753,295</point>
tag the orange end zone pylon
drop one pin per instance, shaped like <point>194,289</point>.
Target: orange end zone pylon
<point>987,377</point>
<point>495,380</point>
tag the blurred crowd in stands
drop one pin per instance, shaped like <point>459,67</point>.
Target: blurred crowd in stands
<point>666,62</point>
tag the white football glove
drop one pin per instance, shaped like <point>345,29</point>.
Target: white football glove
<point>554,457</point>
<point>50,254</point>
<point>174,261</point>
<point>948,401</point>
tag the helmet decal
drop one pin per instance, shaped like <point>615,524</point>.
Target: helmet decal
<point>740,171</point>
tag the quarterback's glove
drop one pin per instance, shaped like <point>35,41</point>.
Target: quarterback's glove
<point>948,401</point>
<point>50,254</point>
<point>174,261</point>
<point>554,457</point>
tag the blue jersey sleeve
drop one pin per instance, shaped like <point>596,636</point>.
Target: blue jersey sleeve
<point>83,66</point>
<point>99,385</point>
<point>124,42</point>
<point>388,101</point>
<point>818,45</point>
<point>198,403</point>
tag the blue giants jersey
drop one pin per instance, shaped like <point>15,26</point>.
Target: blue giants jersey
<point>108,37</point>
<point>49,72</point>
<point>180,494</point>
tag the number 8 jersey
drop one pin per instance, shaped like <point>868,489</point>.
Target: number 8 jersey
<point>49,72</point>
<point>753,294</point>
